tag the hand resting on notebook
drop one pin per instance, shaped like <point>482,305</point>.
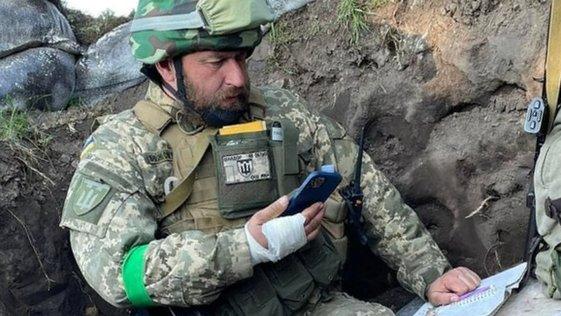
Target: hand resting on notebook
<point>451,285</point>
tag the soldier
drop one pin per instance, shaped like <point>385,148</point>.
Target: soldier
<point>547,184</point>
<point>161,213</point>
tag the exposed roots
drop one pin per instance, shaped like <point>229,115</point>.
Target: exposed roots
<point>30,239</point>
<point>482,206</point>
<point>493,250</point>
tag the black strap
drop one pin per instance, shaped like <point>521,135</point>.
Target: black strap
<point>180,94</point>
<point>354,197</point>
<point>180,77</point>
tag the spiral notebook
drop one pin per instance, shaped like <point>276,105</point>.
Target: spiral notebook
<point>485,300</point>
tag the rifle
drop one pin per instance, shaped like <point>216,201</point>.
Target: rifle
<point>543,110</point>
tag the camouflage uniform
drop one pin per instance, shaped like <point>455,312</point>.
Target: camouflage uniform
<point>116,191</point>
<point>547,185</point>
<point>116,206</point>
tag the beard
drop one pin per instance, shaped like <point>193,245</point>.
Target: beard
<point>227,99</point>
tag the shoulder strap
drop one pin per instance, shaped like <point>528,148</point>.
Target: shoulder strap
<point>153,117</point>
<point>161,123</point>
<point>199,144</point>
<point>257,103</point>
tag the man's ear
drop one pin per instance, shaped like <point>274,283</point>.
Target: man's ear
<point>167,72</point>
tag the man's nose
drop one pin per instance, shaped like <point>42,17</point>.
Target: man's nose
<point>235,73</point>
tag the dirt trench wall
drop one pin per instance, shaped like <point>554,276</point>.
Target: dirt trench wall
<point>446,84</point>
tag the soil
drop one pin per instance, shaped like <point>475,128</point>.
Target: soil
<point>38,274</point>
<point>445,84</point>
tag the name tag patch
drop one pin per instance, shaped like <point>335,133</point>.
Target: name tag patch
<point>246,167</point>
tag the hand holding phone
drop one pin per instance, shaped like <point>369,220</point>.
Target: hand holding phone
<point>317,187</point>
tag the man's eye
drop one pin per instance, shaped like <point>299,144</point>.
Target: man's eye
<point>216,62</point>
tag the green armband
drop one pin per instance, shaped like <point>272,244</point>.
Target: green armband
<point>133,277</point>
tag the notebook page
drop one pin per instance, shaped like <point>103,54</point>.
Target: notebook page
<point>484,303</point>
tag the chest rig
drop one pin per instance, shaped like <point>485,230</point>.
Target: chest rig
<point>218,181</point>
<point>223,180</point>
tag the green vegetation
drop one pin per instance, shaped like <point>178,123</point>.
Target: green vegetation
<point>14,125</point>
<point>352,13</point>
<point>378,3</point>
<point>89,29</point>
<point>279,38</point>
<point>27,143</point>
<point>279,34</point>
<point>75,101</point>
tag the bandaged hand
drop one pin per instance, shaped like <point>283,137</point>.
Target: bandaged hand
<point>272,238</point>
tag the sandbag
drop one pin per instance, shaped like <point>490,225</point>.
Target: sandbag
<point>41,78</point>
<point>108,66</point>
<point>33,23</point>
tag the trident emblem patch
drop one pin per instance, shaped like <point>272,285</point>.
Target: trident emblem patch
<point>245,167</point>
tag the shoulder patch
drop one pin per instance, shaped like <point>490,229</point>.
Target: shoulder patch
<point>156,157</point>
<point>86,195</point>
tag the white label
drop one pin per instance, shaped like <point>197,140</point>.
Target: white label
<point>246,167</point>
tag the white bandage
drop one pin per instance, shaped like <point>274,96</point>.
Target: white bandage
<point>284,236</point>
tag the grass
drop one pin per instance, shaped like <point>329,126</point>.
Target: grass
<point>352,13</point>
<point>279,35</point>
<point>14,125</point>
<point>279,38</point>
<point>75,101</point>
<point>378,3</point>
<point>26,142</point>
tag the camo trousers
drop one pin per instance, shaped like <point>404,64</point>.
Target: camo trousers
<point>343,304</point>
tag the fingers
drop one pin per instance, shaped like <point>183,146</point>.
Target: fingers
<point>311,211</point>
<point>272,211</point>
<point>314,223</point>
<point>459,281</point>
<point>313,234</point>
<point>450,286</point>
<point>471,275</point>
<point>442,298</point>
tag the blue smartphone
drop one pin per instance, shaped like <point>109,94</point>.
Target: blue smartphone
<point>317,187</point>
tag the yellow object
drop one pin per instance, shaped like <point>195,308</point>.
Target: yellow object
<point>553,62</point>
<point>255,126</point>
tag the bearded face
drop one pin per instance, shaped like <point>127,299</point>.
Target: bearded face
<point>217,80</point>
<point>228,98</point>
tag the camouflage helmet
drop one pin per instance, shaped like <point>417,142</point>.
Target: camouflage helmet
<point>164,29</point>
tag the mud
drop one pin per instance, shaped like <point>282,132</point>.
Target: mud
<point>38,274</point>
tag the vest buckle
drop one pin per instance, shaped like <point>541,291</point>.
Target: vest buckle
<point>552,209</point>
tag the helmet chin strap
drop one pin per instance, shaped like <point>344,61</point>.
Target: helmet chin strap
<point>179,93</point>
